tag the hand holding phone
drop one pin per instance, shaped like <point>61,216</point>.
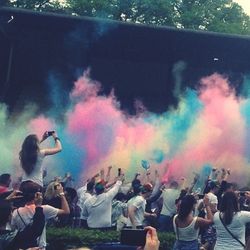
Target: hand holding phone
<point>133,237</point>
<point>152,241</point>
<point>119,171</point>
<point>50,132</point>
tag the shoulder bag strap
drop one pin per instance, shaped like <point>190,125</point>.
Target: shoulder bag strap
<point>230,231</point>
<point>21,218</point>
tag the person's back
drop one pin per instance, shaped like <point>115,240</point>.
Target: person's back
<point>26,238</point>
<point>230,223</point>
<point>31,156</point>
<point>186,226</point>
<point>23,215</point>
<point>236,227</point>
<point>188,233</point>
<point>169,196</point>
<point>37,174</point>
<point>99,207</point>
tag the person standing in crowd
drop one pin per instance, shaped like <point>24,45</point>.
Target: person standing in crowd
<point>230,223</point>
<point>51,195</point>
<point>26,238</point>
<point>98,208</point>
<point>31,156</point>
<point>83,194</point>
<point>208,236</point>
<point>23,215</point>
<point>169,195</point>
<point>186,226</point>
<point>137,205</point>
<point>5,180</point>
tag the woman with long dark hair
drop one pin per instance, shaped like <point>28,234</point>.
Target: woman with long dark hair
<point>31,156</point>
<point>186,226</point>
<point>230,223</point>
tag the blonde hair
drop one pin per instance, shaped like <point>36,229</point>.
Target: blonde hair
<point>50,192</point>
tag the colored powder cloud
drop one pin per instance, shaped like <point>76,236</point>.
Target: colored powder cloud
<point>207,129</point>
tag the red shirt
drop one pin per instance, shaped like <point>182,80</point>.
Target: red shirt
<point>3,189</point>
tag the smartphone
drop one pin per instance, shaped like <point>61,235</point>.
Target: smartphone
<point>119,171</point>
<point>133,237</point>
<point>201,196</point>
<point>50,132</point>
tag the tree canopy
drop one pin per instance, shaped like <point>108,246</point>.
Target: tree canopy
<point>211,15</point>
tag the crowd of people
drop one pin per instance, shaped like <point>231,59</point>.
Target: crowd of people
<point>210,216</point>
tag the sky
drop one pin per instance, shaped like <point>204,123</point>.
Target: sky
<point>245,5</point>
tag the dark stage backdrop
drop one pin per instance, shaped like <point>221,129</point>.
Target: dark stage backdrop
<point>38,50</point>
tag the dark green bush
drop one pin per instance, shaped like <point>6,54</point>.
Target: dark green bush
<point>66,238</point>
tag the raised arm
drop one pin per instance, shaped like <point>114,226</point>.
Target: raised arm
<point>57,147</point>
<point>33,231</point>
<point>64,204</point>
<point>205,222</point>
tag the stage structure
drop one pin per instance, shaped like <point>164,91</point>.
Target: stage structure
<point>138,61</point>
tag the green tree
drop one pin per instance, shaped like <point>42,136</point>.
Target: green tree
<point>212,15</point>
<point>39,5</point>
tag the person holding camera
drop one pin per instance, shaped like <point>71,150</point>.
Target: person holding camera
<point>22,216</point>
<point>26,238</point>
<point>32,155</point>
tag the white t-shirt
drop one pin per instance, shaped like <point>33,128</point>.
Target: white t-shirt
<point>81,205</point>
<point>98,208</point>
<point>37,173</point>
<point>140,203</point>
<point>27,214</point>
<point>237,227</point>
<point>169,196</point>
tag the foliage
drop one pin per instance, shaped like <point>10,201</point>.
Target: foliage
<point>212,15</point>
<point>39,5</point>
<point>65,238</point>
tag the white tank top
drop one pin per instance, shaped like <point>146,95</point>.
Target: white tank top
<point>188,233</point>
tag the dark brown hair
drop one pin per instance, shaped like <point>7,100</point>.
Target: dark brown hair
<point>229,206</point>
<point>28,153</point>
